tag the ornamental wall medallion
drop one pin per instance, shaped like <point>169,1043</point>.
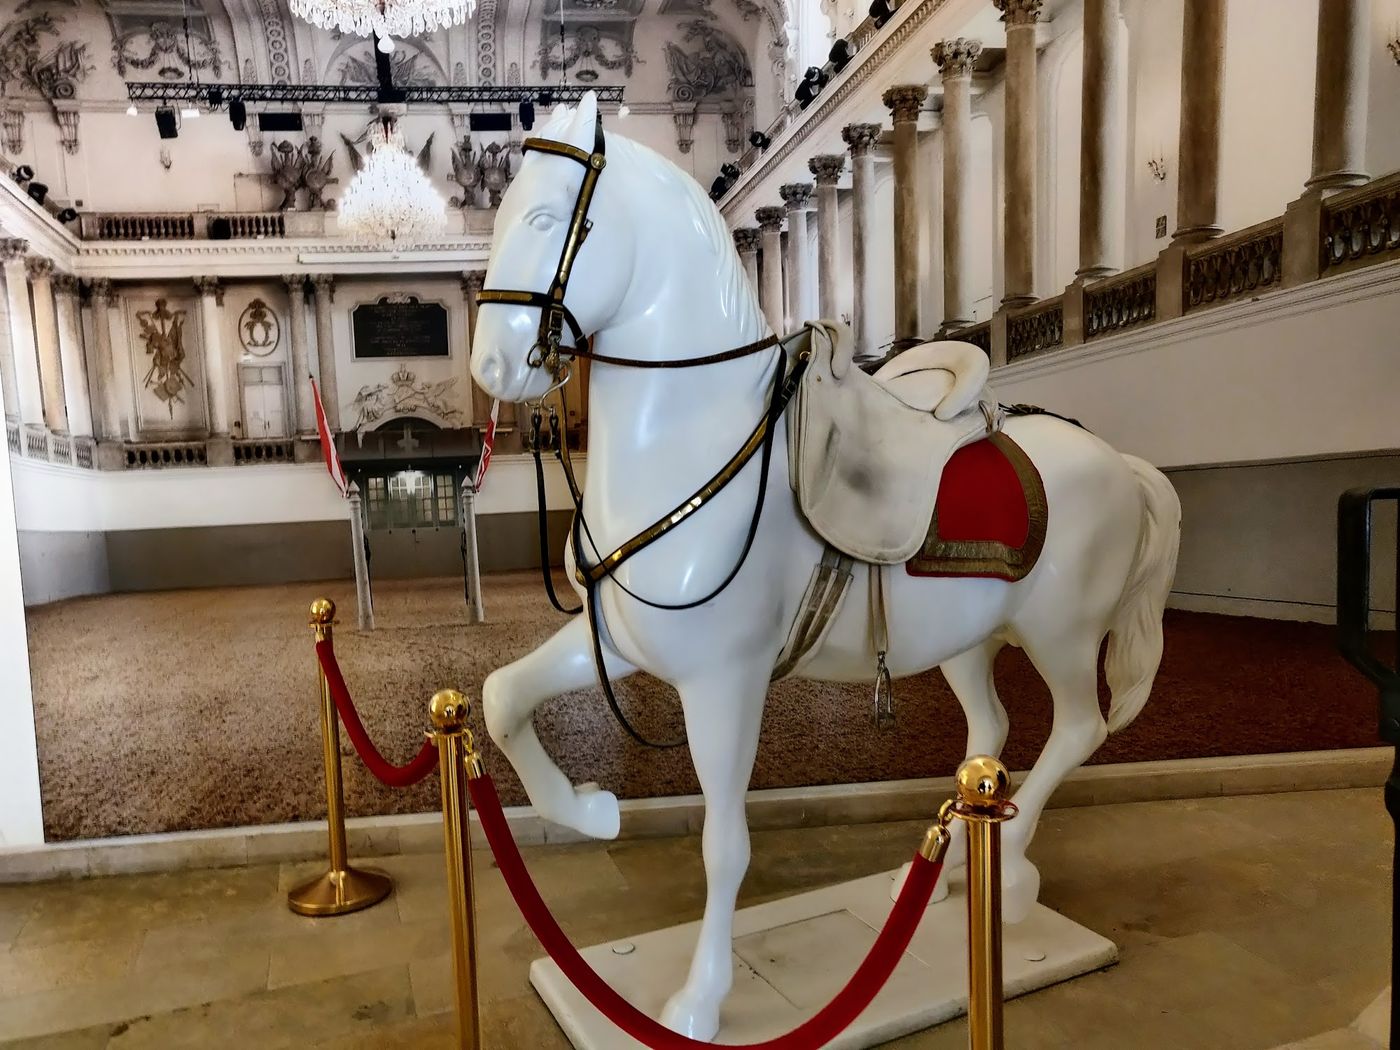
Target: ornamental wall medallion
<point>404,395</point>
<point>259,330</point>
<point>163,332</point>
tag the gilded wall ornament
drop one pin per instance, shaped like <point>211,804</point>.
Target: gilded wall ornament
<point>163,332</point>
<point>259,330</point>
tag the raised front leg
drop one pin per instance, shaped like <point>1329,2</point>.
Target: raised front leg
<point>722,716</point>
<point>510,697</point>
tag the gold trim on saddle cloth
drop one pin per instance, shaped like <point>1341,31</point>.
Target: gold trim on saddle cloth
<point>940,557</point>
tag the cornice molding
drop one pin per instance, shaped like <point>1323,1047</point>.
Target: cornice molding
<point>134,260</point>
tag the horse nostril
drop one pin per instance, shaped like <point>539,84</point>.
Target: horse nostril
<point>490,370</point>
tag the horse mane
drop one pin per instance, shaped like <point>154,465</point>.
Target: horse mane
<point>739,298</point>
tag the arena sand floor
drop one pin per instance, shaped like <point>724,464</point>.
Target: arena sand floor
<point>1244,923</point>
<point>190,709</point>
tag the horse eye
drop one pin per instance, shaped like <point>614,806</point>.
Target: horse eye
<point>544,222</point>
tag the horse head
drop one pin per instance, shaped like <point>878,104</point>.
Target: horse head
<point>532,225</point>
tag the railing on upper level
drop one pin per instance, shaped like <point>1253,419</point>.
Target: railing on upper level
<point>276,450</point>
<point>1036,328</point>
<point>1123,301</point>
<point>1235,266</point>
<point>158,454</point>
<point>1361,226</point>
<point>181,226</point>
<point>979,335</point>
<point>32,442</point>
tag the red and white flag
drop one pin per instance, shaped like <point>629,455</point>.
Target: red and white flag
<point>488,442</point>
<point>328,452</point>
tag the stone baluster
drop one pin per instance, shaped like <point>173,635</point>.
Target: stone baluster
<point>323,285</point>
<point>955,59</point>
<point>46,339</point>
<point>827,169</point>
<point>211,301</point>
<point>770,224</point>
<point>797,196</point>
<point>904,102</point>
<point>301,356</point>
<point>111,381</point>
<point>746,244</point>
<point>1018,251</point>
<point>1202,77</point>
<point>1343,80</point>
<point>1101,142</point>
<point>861,139</point>
<point>76,400</point>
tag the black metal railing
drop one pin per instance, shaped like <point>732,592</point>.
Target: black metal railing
<point>1362,647</point>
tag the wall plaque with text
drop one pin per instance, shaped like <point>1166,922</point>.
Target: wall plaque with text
<point>399,326</point>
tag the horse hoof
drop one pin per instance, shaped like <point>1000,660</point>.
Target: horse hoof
<point>1020,889</point>
<point>598,814</point>
<point>689,1014</point>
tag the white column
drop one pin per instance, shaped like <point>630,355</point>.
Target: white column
<point>324,286</point>
<point>1202,81</point>
<point>955,58</point>
<point>1020,17</point>
<point>211,301</point>
<point>9,394</point>
<point>770,294</point>
<point>828,168</point>
<point>111,378</point>
<point>904,102</point>
<point>797,196</point>
<point>24,354</point>
<point>301,357</point>
<point>746,244</point>
<point>1343,79</point>
<point>1101,141</point>
<point>862,138</point>
<point>76,399</point>
<point>46,339</point>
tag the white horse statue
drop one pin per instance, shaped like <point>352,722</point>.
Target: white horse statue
<point>659,278</point>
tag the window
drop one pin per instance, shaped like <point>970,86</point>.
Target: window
<point>411,499</point>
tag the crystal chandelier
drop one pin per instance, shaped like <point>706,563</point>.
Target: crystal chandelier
<point>391,199</point>
<point>385,19</point>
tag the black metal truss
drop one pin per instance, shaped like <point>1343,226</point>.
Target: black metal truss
<point>215,95</point>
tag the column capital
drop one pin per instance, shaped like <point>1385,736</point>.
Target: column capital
<point>295,282</point>
<point>746,239</point>
<point>210,286</point>
<point>1019,12</point>
<point>827,167</point>
<point>12,249</point>
<point>905,101</point>
<point>473,281</point>
<point>770,219</point>
<point>956,57</point>
<point>65,283</point>
<point>796,195</point>
<point>324,283</point>
<point>100,290</point>
<point>38,267</point>
<point>861,138</point>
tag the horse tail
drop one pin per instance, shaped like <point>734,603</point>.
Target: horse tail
<point>1135,635</point>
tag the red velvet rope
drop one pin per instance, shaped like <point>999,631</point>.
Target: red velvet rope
<point>815,1032</point>
<point>421,764</point>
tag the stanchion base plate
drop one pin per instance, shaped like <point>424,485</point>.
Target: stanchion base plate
<point>792,955</point>
<point>340,892</point>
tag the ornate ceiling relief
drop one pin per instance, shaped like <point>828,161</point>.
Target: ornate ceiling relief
<point>716,70</point>
<point>412,63</point>
<point>159,48</point>
<point>585,51</point>
<point>31,63</point>
<point>279,55</point>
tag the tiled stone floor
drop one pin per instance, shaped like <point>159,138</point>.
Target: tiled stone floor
<point>1244,922</point>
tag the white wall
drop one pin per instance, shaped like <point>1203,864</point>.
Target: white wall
<point>1310,371</point>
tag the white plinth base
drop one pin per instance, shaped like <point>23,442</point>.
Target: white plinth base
<point>791,956</point>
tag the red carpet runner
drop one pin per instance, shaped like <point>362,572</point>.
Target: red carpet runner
<point>815,1032</point>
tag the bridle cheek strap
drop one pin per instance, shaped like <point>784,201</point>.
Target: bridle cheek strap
<point>554,315</point>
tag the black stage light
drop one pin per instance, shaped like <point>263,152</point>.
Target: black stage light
<point>166,124</point>
<point>546,98</point>
<point>215,96</point>
<point>488,121</point>
<point>527,114</point>
<point>818,76</point>
<point>22,174</point>
<point>758,140</point>
<point>719,187</point>
<point>66,215</point>
<point>37,192</point>
<point>237,113</point>
<point>840,55</point>
<point>880,11</point>
<point>805,93</point>
<point>730,171</point>
<point>285,121</point>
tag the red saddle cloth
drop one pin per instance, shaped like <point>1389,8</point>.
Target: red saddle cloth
<point>990,517</point>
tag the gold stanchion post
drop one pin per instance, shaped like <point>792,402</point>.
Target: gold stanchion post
<point>983,785</point>
<point>458,762</point>
<point>342,889</point>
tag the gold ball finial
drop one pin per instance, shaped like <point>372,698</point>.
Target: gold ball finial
<point>322,611</point>
<point>983,781</point>
<point>448,710</point>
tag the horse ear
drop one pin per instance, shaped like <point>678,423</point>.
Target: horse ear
<point>585,119</point>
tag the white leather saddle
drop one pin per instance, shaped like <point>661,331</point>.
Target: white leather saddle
<point>866,452</point>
